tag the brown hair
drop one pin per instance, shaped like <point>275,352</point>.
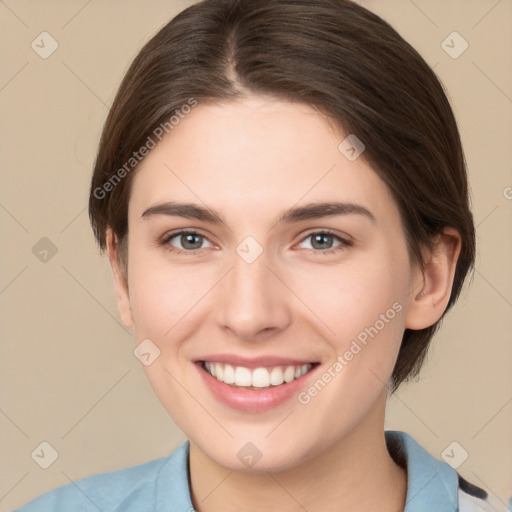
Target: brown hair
<point>333,55</point>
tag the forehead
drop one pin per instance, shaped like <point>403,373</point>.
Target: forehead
<point>255,156</point>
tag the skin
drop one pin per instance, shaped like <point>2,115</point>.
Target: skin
<point>250,160</point>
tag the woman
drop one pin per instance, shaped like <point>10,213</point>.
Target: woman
<point>281,191</point>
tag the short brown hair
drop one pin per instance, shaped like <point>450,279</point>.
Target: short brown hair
<point>333,55</point>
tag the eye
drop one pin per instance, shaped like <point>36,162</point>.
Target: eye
<point>191,242</point>
<point>188,241</point>
<point>322,242</point>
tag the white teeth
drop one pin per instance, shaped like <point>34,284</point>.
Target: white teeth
<point>259,377</point>
<point>243,376</point>
<point>276,376</point>
<point>289,373</point>
<point>219,371</point>
<point>229,374</point>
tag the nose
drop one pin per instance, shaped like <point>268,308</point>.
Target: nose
<point>253,302</point>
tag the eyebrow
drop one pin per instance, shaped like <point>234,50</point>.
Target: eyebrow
<point>295,214</point>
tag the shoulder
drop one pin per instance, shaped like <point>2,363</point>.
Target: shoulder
<point>129,489</point>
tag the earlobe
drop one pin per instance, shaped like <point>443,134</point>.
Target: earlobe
<point>427,305</point>
<point>120,282</point>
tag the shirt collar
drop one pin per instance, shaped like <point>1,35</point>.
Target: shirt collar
<point>173,486</point>
<point>431,483</point>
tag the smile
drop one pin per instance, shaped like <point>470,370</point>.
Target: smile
<point>256,378</point>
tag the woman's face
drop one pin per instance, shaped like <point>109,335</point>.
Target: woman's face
<point>269,282</point>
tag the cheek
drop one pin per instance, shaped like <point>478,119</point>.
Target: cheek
<point>348,298</point>
<point>163,297</point>
<point>166,301</point>
<point>363,304</point>
<point>364,307</point>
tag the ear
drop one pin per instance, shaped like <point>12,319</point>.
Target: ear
<point>431,287</point>
<point>120,283</point>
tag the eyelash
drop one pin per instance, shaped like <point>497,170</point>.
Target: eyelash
<point>344,243</point>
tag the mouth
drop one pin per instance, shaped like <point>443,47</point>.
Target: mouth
<point>255,384</point>
<point>260,378</point>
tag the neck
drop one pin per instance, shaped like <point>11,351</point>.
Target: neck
<point>357,473</point>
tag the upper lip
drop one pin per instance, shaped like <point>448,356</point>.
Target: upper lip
<point>253,362</point>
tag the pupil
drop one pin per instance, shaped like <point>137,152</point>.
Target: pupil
<point>190,239</point>
<point>320,238</point>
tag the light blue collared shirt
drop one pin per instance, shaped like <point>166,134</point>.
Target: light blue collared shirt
<point>161,485</point>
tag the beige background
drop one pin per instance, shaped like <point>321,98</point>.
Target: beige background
<point>68,373</point>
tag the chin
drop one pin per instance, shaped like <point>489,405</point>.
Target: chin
<point>257,456</point>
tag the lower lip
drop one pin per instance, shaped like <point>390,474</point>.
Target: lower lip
<point>253,400</point>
